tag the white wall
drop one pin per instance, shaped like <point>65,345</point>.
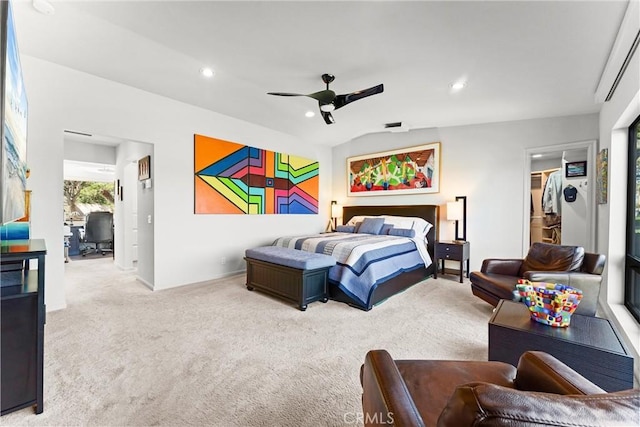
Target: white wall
<point>574,214</point>
<point>128,154</point>
<point>187,247</point>
<point>615,118</point>
<point>544,164</point>
<point>483,162</point>
<point>92,153</point>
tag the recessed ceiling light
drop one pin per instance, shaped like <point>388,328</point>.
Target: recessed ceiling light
<point>309,114</point>
<point>536,156</point>
<point>457,86</point>
<point>43,6</point>
<point>206,71</point>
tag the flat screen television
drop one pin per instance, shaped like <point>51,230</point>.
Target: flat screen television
<point>13,116</point>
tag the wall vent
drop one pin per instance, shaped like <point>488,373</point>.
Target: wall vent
<point>77,133</point>
<point>624,48</point>
<point>624,66</point>
<point>396,127</point>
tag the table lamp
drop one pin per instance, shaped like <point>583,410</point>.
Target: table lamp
<point>457,211</point>
<point>336,212</point>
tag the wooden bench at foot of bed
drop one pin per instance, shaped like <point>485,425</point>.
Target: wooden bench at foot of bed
<point>290,274</point>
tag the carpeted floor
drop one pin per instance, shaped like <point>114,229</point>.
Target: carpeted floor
<point>216,354</point>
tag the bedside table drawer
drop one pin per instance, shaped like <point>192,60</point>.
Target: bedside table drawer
<point>450,251</point>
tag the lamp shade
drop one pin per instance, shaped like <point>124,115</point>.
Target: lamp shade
<point>455,211</point>
<point>336,211</point>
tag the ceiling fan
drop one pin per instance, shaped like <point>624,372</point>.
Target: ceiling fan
<point>329,101</point>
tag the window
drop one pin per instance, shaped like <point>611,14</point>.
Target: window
<point>82,197</point>
<point>632,264</point>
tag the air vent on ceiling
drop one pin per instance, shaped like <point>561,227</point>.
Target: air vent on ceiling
<point>77,133</point>
<point>396,127</point>
<point>624,66</point>
<point>620,57</point>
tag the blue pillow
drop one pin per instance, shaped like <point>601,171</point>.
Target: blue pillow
<point>346,228</point>
<point>371,226</point>
<point>403,232</point>
<point>386,228</point>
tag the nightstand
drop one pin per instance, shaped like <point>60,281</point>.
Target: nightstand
<point>454,251</point>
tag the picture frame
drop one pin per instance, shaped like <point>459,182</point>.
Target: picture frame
<point>144,168</point>
<point>602,175</point>
<point>575,169</point>
<point>14,114</point>
<point>411,170</point>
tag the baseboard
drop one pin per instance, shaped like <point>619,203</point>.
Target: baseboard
<point>217,277</point>
<point>144,282</point>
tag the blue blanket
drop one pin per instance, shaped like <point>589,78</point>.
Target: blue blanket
<point>363,260</point>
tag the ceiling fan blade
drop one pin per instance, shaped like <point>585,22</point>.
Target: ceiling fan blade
<point>328,118</point>
<point>342,100</point>
<point>324,96</point>
<point>285,94</point>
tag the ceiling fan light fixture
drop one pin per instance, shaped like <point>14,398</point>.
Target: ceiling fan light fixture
<point>327,108</point>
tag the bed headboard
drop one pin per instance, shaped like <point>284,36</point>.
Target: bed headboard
<point>428,212</point>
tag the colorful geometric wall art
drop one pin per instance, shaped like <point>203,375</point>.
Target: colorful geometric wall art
<point>232,178</point>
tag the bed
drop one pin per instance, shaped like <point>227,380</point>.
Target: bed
<point>388,265</point>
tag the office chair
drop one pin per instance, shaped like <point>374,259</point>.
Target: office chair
<point>99,230</point>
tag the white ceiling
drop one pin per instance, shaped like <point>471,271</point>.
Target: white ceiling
<point>87,171</point>
<point>520,59</point>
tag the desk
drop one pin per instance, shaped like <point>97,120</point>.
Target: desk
<point>589,345</point>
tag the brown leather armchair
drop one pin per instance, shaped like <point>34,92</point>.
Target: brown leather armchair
<point>545,262</point>
<point>541,391</point>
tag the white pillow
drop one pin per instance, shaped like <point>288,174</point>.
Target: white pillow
<point>357,218</point>
<point>420,225</point>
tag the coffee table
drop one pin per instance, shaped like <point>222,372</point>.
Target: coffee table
<point>589,345</point>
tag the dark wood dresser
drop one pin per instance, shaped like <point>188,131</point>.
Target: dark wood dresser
<point>22,314</point>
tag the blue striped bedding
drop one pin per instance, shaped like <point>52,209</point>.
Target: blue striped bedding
<point>363,260</point>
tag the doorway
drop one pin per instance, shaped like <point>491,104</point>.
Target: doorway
<point>88,210</point>
<point>570,218</point>
<point>133,237</point>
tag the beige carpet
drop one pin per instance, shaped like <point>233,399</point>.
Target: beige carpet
<point>216,354</point>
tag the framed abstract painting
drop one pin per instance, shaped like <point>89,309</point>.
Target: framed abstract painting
<point>233,178</point>
<point>404,171</point>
